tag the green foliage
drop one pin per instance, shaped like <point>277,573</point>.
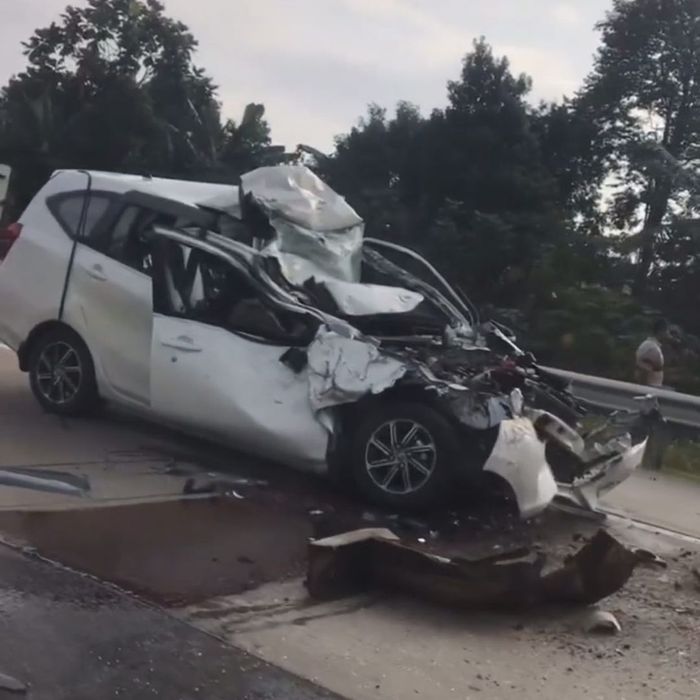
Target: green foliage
<point>645,87</point>
<point>113,86</point>
<point>470,186</point>
<point>590,329</point>
<point>683,457</point>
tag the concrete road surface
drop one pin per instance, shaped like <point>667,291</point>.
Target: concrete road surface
<point>658,499</point>
<point>247,562</point>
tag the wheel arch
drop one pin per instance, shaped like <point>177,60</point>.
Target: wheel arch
<point>348,417</point>
<point>477,444</point>
<point>25,349</point>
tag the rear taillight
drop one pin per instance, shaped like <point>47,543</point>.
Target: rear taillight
<point>8,236</point>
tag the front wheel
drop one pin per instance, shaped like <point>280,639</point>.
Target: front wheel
<point>403,455</point>
<point>62,374</point>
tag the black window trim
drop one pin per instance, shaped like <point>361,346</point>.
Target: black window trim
<point>54,201</point>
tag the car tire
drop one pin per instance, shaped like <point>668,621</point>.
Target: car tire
<point>62,373</point>
<point>418,470</point>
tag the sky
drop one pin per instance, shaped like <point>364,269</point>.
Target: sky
<point>317,64</point>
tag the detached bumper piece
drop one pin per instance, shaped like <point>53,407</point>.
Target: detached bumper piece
<point>362,560</point>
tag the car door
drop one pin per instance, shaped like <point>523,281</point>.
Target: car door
<point>108,300</point>
<point>212,374</point>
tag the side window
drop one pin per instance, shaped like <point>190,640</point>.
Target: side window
<point>195,284</point>
<point>68,209</point>
<point>130,239</point>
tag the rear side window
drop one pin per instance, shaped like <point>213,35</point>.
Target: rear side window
<point>68,210</point>
<point>129,238</point>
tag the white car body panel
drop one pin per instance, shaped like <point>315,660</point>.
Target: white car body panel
<point>110,305</point>
<point>357,299</point>
<point>343,370</point>
<point>236,390</point>
<point>519,457</point>
<point>34,272</point>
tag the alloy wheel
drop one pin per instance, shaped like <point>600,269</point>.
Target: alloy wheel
<point>59,372</point>
<point>400,456</point>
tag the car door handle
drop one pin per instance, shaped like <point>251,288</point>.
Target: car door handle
<point>182,342</point>
<point>96,272</point>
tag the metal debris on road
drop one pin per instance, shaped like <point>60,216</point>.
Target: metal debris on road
<point>47,480</point>
<point>601,621</point>
<point>356,561</point>
<point>12,685</point>
<point>647,557</point>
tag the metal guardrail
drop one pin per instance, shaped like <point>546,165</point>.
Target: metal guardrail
<point>681,409</point>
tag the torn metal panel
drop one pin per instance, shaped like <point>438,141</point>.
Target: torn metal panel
<point>355,299</point>
<point>478,411</point>
<point>453,315</point>
<point>362,560</point>
<point>316,233</point>
<point>518,457</point>
<point>588,490</point>
<point>46,480</point>
<point>303,253</point>
<point>553,428</point>
<point>343,370</point>
<point>601,622</point>
<point>298,195</point>
<point>595,572</point>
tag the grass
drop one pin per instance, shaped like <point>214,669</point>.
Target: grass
<point>683,457</point>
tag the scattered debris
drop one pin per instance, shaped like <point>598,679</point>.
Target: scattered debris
<point>601,621</point>
<point>12,685</point>
<point>47,480</point>
<point>218,485</point>
<point>355,561</point>
<point>647,557</point>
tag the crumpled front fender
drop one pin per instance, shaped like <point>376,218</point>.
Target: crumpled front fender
<point>518,456</point>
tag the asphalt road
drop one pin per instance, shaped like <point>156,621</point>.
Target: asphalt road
<point>70,638</point>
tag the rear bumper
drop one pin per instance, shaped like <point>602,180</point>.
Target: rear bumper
<point>518,457</point>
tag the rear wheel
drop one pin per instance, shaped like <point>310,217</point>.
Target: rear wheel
<point>62,374</point>
<point>403,455</point>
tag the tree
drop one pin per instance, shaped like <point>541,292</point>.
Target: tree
<point>247,144</point>
<point>646,86</point>
<point>112,86</point>
<point>500,199</point>
<point>468,185</point>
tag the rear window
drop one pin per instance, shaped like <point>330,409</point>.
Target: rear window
<point>68,210</point>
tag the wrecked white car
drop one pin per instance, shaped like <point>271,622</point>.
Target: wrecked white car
<point>261,316</point>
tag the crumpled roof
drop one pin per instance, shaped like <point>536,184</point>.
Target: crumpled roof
<point>317,233</point>
<point>297,195</point>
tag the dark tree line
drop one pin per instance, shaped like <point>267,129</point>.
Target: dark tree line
<point>577,222</point>
<point>113,86</point>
